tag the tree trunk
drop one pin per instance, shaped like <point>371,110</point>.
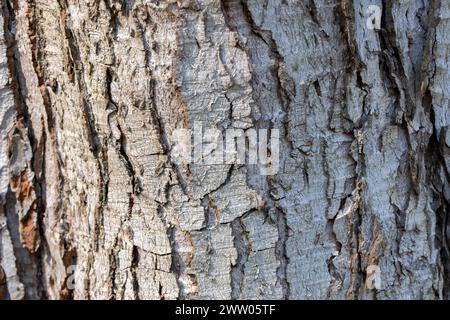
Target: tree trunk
<point>94,205</point>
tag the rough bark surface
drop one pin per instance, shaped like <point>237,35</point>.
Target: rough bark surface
<point>93,206</point>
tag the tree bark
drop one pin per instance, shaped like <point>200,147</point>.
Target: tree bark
<point>93,205</point>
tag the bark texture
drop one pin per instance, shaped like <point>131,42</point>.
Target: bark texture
<point>92,205</point>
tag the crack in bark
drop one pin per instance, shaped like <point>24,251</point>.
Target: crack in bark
<point>37,154</point>
<point>134,267</point>
<point>97,143</point>
<point>239,19</point>
<point>243,248</point>
<point>4,294</point>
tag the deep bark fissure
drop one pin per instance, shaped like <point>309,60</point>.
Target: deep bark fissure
<point>241,244</point>
<point>239,19</point>
<point>29,263</point>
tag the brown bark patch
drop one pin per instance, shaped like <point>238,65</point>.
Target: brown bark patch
<point>22,186</point>
<point>29,233</point>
